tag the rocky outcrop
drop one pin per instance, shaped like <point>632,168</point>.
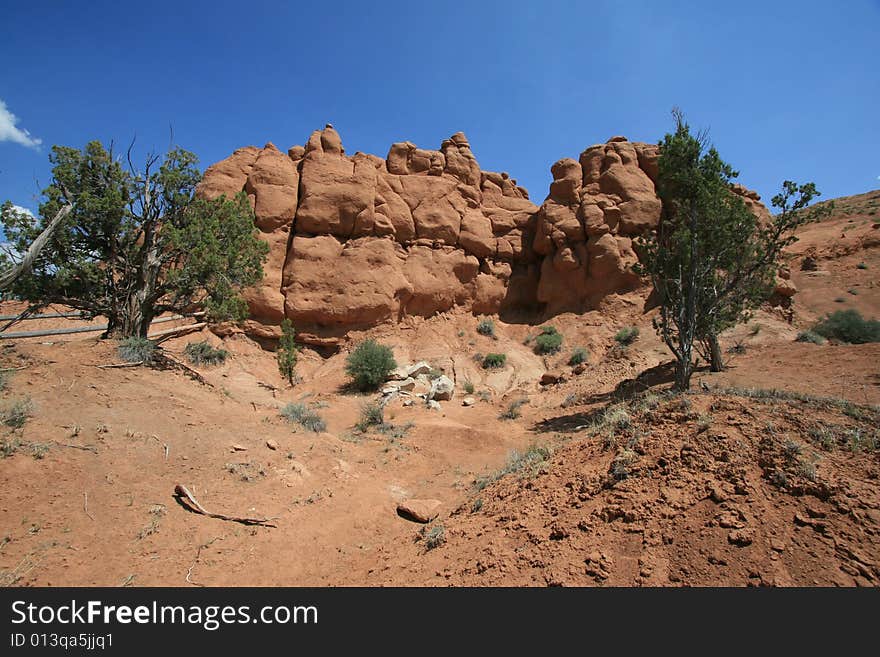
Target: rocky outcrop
<point>360,240</point>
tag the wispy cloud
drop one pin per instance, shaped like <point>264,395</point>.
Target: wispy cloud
<point>23,210</point>
<point>10,132</point>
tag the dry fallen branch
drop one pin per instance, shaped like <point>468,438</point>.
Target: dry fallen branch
<point>182,494</point>
<point>86,505</point>
<point>86,448</point>
<point>196,560</point>
<point>174,363</point>
<point>105,367</point>
<point>14,369</point>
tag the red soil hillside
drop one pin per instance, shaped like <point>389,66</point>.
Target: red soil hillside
<point>712,488</point>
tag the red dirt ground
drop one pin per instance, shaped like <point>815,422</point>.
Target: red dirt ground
<point>732,490</point>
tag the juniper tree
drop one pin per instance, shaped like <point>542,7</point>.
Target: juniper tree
<point>711,259</point>
<point>137,243</point>
<point>286,354</point>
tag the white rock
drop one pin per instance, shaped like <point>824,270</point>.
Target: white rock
<point>434,406</point>
<point>468,401</point>
<point>442,388</point>
<point>421,367</point>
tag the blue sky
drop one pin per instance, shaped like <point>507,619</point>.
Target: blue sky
<point>787,89</point>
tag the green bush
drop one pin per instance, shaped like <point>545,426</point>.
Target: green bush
<point>369,364</point>
<point>137,350</point>
<point>372,415</point>
<point>494,361</point>
<point>202,353</point>
<point>469,387</point>
<point>809,336</point>
<point>435,537</point>
<point>627,335</point>
<point>849,326</point>
<point>549,341</point>
<point>486,327</point>
<point>578,356</point>
<point>303,416</point>
<point>513,411</point>
<point>287,353</point>
<point>16,414</point>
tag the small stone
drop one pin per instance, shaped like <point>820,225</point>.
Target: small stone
<point>419,510</point>
<point>272,444</point>
<point>776,544</point>
<point>407,402</point>
<point>237,448</point>
<point>468,401</point>
<point>741,537</point>
<point>434,406</point>
<point>580,368</point>
<point>550,378</point>
<point>442,388</point>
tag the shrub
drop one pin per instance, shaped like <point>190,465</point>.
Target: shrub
<point>202,353</point>
<point>303,416</point>
<point>4,380</point>
<point>486,327</point>
<point>369,364</point>
<point>435,537</point>
<point>372,415</point>
<point>16,414</point>
<point>469,386</point>
<point>513,411</point>
<point>286,355</point>
<point>627,335</point>
<point>493,361</point>
<point>809,336</point>
<point>849,326</point>
<point>578,356</point>
<point>527,463</point>
<point>137,350</point>
<point>549,341</point>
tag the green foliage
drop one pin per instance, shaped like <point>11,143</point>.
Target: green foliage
<point>372,415</point>
<point>486,327</point>
<point>578,356</point>
<point>849,326</point>
<point>202,353</point>
<point>137,243</point>
<point>369,364</point>
<point>435,537</point>
<point>810,336</point>
<point>469,387</point>
<point>494,361</point>
<point>136,349</point>
<point>16,413</point>
<point>527,463</point>
<point>627,335</point>
<point>711,259</point>
<point>287,352</point>
<point>512,412</point>
<point>549,341</point>
<point>304,416</point>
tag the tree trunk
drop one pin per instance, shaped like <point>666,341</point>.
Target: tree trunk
<point>716,358</point>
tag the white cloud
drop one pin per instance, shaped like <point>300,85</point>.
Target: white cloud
<point>9,131</point>
<point>22,210</point>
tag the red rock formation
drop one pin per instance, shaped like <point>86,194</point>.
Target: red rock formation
<point>425,231</point>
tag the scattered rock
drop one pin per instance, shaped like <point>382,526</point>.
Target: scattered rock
<point>442,388</point>
<point>419,510</point>
<point>237,448</point>
<point>580,368</point>
<point>434,405</point>
<point>407,402</point>
<point>419,368</point>
<point>468,401</point>
<point>550,378</point>
<point>272,444</point>
<point>741,537</point>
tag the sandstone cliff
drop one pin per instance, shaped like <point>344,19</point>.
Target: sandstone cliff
<point>360,240</point>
